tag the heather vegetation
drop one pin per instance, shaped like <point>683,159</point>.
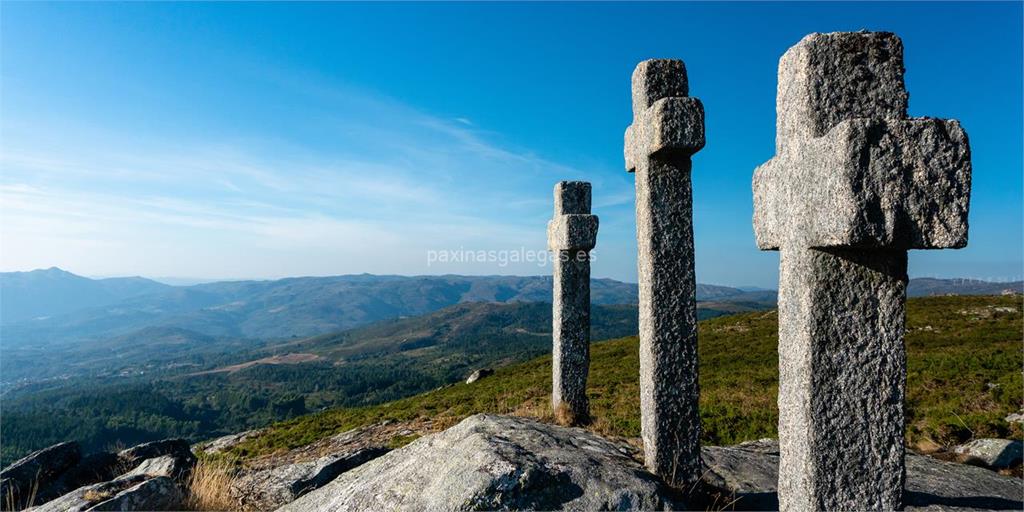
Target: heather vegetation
<point>964,357</point>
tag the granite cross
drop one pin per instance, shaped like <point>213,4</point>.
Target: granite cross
<point>668,127</point>
<point>572,233</point>
<point>853,185</point>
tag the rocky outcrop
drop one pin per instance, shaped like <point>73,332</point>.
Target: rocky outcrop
<point>158,493</point>
<point>479,374</point>
<point>164,465</point>
<point>497,462</point>
<point>991,453</point>
<point>268,489</point>
<point>22,480</point>
<point>137,492</point>
<point>225,443</point>
<point>747,474</point>
<point>96,467</point>
<point>58,478</point>
<point>177,448</point>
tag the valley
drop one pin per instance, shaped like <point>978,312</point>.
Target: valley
<point>195,361</point>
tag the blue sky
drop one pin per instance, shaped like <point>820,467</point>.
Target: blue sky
<point>269,140</point>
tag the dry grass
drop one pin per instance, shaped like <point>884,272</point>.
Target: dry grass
<point>93,496</point>
<point>209,486</point>
<point>537,408</point>
<point>11,503</point>
<point>565,416</point>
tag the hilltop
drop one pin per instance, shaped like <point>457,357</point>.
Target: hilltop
<point>964,381</point>
<point>963,378</point>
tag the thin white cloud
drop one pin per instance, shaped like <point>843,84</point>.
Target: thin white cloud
<point>403,182</point>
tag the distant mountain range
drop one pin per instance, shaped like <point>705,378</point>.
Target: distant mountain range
<point>929,286</point>
<point>55,322</point>
<point>53,306</point>
<point>58,304</point>
<point>52,291</point>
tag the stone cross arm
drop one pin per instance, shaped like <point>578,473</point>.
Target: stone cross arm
<point>665,119</point>
<point>572,227</point>
<point>867,183</point>
<point>669,125</point>
<point>572,232</point>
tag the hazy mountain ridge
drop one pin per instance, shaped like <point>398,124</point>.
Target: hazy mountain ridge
<point>929,286</point>
<point>52,291</point>
<point>301,306</point>
<point>165,322</point>
<point>53,305</point>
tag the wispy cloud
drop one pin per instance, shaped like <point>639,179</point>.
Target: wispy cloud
<point>397,182</point>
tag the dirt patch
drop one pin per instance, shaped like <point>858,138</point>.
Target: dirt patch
<point>294,358</point>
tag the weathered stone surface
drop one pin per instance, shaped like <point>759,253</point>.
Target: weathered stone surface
<point>158,493</point>
<point>853,185</point>
<point>670,125</point>
<point>868,183</point>
<point>136,492</point>
<point>164,465</point>
<point>482,373</point>
<point>841,378</point>
<point>37,470</point>
<point>271,488</point>
<point>572,197</point>
<point>656,79</point>
<point>747,472</point>
<point>97,467</point>
<point>84,498</point>
<point>496,463</point>
<point>225,443</point>
<point>571,233</point>
<point>826,79</point>
<point>992,453</point>
<point>176,448</point>
<point>667,128</point>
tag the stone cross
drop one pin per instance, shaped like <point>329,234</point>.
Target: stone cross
<point>572,233</point>
<point>853,185</point>
<point>668,127</point>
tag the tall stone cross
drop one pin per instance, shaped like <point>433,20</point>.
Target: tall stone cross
<point>853,185</point>
<point>668,127</point>
<point>572,233</point>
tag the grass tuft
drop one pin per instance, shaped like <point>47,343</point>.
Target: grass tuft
<point>209,485</point>
<point>565,416</point>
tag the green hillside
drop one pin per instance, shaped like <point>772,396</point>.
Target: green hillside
<point>964,376</point>
<point>216,388</point>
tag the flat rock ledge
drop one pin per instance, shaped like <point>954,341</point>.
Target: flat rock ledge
<point>136,492</point>
<point>747,473</point>
<point>489,462</point>
<point>268,489</point>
